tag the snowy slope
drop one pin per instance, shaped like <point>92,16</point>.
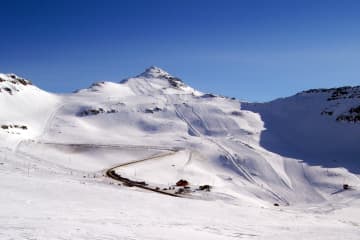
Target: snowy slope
<point>318,126</point>
<point>24,109</point>
<point>251,155</point>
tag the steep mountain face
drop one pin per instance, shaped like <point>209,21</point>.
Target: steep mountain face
<point>319,126</point>
<point>251,152</point>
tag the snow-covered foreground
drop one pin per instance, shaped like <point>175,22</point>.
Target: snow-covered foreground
<point>153,128</point>
<point>53,203</point>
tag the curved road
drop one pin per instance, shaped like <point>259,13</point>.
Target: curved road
<point>111,173</point>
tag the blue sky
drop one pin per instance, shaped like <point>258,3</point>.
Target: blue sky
<point>250,49</point>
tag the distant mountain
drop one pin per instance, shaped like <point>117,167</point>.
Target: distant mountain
<point>320,126</point>
<point>290,150</point>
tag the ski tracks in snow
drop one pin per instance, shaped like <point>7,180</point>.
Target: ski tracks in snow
<point>243,172</point>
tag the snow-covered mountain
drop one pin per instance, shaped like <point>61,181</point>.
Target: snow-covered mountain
<point>319,126</point>
<point>289,152</point>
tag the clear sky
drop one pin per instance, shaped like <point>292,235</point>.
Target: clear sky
<point>250,49</point>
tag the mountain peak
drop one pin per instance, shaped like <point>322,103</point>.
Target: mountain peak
<point>155,72</point>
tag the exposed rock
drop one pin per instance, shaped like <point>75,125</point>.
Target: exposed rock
<point>97,111</point>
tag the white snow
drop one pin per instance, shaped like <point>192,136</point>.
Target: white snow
<point>52,174</point>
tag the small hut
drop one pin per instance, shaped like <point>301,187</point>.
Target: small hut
<point>182,183</point>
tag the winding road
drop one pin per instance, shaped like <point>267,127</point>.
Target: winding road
<point>111,173</point>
